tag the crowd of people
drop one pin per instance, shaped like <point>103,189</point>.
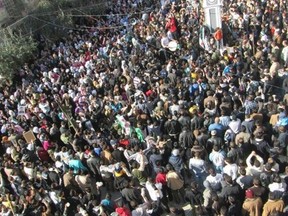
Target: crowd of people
<point>114,111</point>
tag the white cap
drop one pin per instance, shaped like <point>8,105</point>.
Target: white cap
<point>213,132</point>
<point>175,152</point>
<point>22,102</point>
<point>81,68</point>
<point>35,130</point>
<point>94,92</point>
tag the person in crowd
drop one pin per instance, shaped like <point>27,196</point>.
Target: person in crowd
<point>198,167</point>
<point>256,168</point>
<point>145,100</point>
<point>252,205</point>
<point>272,205</point>
<point>217,157</point>
<point>175,184</point>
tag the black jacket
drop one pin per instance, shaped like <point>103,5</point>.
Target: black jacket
<point>232,190</point>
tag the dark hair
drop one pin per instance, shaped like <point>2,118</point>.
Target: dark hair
<point>229,160</point>
<point>169,167</point>
<point>277,179</point>
<point>272,196</point>
<point>108,196</point>
<point>120,203</point>
<point>133,204</point>
<point>257,163</point>
<point>256,181</point>
<point>223,210</point>
<point>275,213</point>
<point>125,184</point>
<point>228,179</point>
<point>154,151</point>
<point>216,147</point>
<point>242,171</point>
<point>134,164</point>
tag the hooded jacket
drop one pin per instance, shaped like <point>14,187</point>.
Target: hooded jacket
<point>176,162</point>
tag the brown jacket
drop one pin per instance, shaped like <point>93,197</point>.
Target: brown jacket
<point>252,207</point>
<point>272,205</point>
<point>210,99</point>
<point>69,180</point>
<point>174,181</point>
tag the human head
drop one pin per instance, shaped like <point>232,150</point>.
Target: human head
<point>257,163</point>
<point>216,147</point>
<point>256,181</point>
<point>277,179</point>
<point>169,167</point>
<point>213,133</point>
<point>249,194</point>
<point>272,196</point>
<point>212,171</point>
<point>228,179</point>
<point>175,152</point>
<point>242,171</point>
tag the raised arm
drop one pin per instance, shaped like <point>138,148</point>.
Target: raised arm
<point>142,163</point>
<point>248,160</point>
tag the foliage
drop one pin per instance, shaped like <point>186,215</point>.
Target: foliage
<point>15,51</point>
<point>50,18</point>
<point>54,18</point>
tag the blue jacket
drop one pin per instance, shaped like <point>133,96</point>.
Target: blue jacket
<point>76,165</point>
<point>176,162</point>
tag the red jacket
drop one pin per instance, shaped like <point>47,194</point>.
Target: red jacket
<point>171,25</point>
<point>43,155</point>
<point>124,142</point>
<point>161,178</point>
<point>218,35</point>
<point>122,211</point>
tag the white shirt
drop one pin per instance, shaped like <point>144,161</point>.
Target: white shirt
<point>284,54</point>
<point>235,126</point>
<point>30,172</point>
<point>253,170</point>
<point>141,210</point>
<point>59,165</point>
<point>275,168</point>
<point>197,165</point>
<point>174,108</point>
<point>231,170</point>
<point>164,42</point>
<point>31,147</point>
<point>277,187</point>
<point>104,168</point>
<point>214,181</point>
<point>154,193</point>
<point>65,157</point>
<point>217,158</point>
<point>54,197</point>
<point>137,156</point>
<point>44,107</point>
<point>9,150</point>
